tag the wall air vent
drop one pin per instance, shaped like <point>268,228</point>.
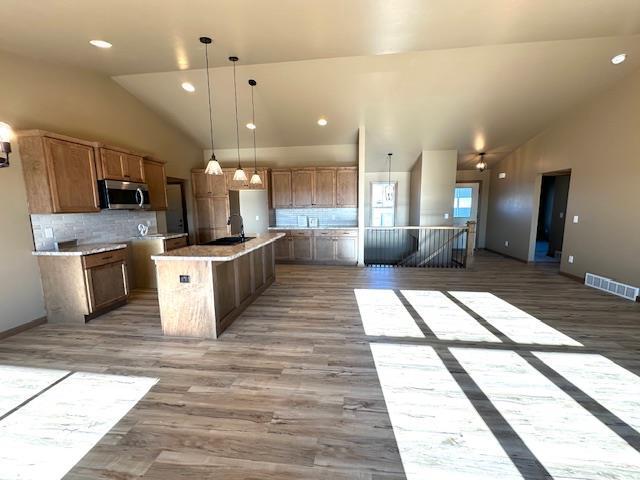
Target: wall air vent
<point>611,286</point>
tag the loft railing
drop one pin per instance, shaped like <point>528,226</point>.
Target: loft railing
<point>434,247</point>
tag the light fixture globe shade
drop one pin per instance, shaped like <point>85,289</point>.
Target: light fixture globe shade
<point>239,175</point>
<point>481,165</point>
<point>6,132</point>
<point>255,179</point>
<point>251,126</point>
<point>213,168</point>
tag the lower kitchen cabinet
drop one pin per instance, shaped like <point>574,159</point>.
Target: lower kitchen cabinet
<point>318,246</point>
<point>302,247</point>
<point>80,287</point>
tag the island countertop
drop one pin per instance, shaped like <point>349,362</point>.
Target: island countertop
<point>220,253</point>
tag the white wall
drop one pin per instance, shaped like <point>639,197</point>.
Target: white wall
<point>78,103</point>
<point>402,195</point>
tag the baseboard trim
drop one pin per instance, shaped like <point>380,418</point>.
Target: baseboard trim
<point>506,255</point>
<point>21,328</point>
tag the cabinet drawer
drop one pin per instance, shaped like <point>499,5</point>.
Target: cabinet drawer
<point>323,233</point>
<point>173,243</point>
<point>301,233</point>
<point>104,258</point>
<point>345,233</point>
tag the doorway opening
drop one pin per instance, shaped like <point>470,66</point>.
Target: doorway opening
<point>176,206</point>
<point>554,193</point>
<point>465,207</point>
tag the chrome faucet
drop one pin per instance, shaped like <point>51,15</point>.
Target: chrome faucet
<point>241,224</point>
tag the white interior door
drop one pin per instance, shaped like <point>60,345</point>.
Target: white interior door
<point>465,207</point>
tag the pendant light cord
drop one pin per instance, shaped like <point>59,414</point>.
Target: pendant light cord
<point>253,120</point>
<point>235,91</point>
<point>206,57</point>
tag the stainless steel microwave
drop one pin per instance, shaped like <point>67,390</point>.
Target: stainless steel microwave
<point>117,195</point>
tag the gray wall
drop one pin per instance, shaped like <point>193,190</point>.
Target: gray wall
<point>437,186</point>
<point>600,143</point>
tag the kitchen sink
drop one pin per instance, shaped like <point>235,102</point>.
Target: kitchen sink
<point>228,240</point>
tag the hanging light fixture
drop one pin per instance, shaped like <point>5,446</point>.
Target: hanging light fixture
<point>481,165</point>
<point>239,175</point>
<point>389,189</point>
<point>255,178</point>
<point>213,167</point>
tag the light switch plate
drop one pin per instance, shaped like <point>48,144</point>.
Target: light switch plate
<point>575,219</point>
<point>446,216</point>
<point>502,175</point>
<point>561,214</point>
<point>506,243</point>
<point>257,218</point>
<point>570,258</point>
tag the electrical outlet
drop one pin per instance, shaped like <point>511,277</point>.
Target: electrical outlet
<point>48,232</point>
<point>185,279</point>
<point>257,218</point>
<point>446,216</point>
<point>570,258</point>
<point>506,243</point>
<point>575,218</point>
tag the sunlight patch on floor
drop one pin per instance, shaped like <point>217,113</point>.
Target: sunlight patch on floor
<point>46,437</point>
<point>609,384</point>
<point>569,441</point>
<point>383,314</point>
<point>439,433</point>
<point>516,324</point>
<point>446,319</point>
<point>19,384</point>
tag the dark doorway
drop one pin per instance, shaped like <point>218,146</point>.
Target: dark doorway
<point>176,206</point>
<point>552,213</point>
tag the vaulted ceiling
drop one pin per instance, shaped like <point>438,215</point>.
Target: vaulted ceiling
<point>418,74</point>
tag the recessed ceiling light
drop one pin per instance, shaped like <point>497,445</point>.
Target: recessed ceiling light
<point>322,121</point>
<point>100,43</point>
<point>618,59</point>
<point>188,87</point>
<point>251,126</point>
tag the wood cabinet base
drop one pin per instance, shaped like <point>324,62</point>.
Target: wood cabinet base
<point>201,298</point>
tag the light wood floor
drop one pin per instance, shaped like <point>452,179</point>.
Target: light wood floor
<point>290,391</point>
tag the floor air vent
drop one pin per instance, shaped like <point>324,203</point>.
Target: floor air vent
<point>611,286</point>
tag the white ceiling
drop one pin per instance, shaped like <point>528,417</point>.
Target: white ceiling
<point>455,73</point>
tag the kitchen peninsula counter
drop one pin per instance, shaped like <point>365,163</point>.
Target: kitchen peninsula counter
<point>203,288</point>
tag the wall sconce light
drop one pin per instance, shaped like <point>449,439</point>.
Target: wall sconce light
<point>5,146</point>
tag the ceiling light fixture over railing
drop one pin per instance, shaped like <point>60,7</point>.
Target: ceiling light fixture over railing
<point>213,167</point>
<point>239,175</point>
<point>482,164</point>
<point>255,178</point>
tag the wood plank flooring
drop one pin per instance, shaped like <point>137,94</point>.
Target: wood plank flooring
<point>290,390</point>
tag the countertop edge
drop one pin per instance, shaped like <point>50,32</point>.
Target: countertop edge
<point>83,250</point>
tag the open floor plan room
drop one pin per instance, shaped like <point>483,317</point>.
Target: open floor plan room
<point>301,240</point>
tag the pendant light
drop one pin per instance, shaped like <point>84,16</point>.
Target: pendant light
<point>255,178</point>
<point>481,165</point>
<point>239,175</point>
<point>213,167</point>
<point>389,190</point>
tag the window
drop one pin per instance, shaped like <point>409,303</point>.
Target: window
<point>383,204</point>
<point>462,202</point>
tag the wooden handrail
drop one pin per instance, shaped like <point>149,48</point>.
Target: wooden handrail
<point>443,227</point>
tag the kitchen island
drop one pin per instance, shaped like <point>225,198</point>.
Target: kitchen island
<point>203,288</point>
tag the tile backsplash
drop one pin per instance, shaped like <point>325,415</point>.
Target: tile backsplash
<point>105,226</point>
<point>327,217</point>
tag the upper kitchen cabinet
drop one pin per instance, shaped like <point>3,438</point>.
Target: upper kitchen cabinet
<point>59,173</point>
<point>302,186</point>
<point>324,191</point>
<point>347,187</point>
<point>157,183</point>
<point>281,193</point>
<point>205,185</point>
<point>117,164</point>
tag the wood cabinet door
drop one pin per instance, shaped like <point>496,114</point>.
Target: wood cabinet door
<point>302,181</point>
<point>220,212</point>
<point>302,248</point>
<point>112,164</point>
<point>205,215</point>
<point>325,187</point>
<point>324,250</point>
<point>217,185</point>
<point>133,168</point>
<point>157,183</point>
<point>347,249</point>
<point>72,176</point>
<point>283,248</point>
<point>200,183</point>
<point>106,284</point>
<point>347,187</point>
<point>281,188</point>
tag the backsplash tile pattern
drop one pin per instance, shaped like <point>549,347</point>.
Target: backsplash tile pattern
<point>327,217</point>
<point>100,227</point>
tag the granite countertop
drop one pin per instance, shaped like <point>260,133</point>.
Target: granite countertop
<point>293,227</point>
<point>160,236</point>
<point>219,253</point>
<point>80,250</point>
